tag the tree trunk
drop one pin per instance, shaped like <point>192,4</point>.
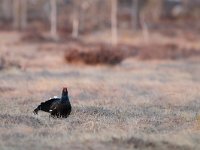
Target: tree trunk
<point>75,22</point>
<point>23,14</point>
<point>16,15</point>
<point>6,9</point>
<point>19,14</point>
<point>114,21</point>
<point>136,14</point>
<point>53,18</point>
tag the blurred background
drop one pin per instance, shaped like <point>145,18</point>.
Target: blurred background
<point>148,29</point>
<point>132,68</point>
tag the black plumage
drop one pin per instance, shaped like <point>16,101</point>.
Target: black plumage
<point>57,107</point>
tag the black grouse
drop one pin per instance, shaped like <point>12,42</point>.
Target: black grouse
<point>57,107</point>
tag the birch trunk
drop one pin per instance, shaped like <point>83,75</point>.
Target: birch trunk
<point>23,17</point>
<point>114,21</point>
<point>136,14</point>
<point>75,22</point>
<point>16,15</point>
<point>6,9</point>
<point>53,18</point>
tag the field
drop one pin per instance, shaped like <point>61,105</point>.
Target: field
<point>137,104</point>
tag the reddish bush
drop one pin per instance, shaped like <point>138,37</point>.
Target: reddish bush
<point>97,54</point>
<point>108,54</point>
<point>6,63</point>
<point>166,51</point>
<point>33,36</point>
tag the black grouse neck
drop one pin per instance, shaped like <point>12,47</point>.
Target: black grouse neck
<point>64,97</point>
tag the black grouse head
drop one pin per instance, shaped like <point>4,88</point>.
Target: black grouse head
<point>64,92</point>
<point>64,97</point>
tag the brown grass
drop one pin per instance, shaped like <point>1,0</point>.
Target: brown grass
<point>133,105</point>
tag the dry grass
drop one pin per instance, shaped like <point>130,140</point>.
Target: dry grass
<point>112,107</point>
<point>134,105</point>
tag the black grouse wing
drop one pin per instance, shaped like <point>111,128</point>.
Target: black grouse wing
<point>45,106</point>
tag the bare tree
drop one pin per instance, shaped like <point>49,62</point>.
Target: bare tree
<point>114,21</point>
<point>23,14</point>
<point>16,14</point>
<point>136,14</point>
<point>19,14</point>
<point>53,18</point>
<point>6,9</point>
<point>75,20</point>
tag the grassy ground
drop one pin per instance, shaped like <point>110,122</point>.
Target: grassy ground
<point>134,105</point>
